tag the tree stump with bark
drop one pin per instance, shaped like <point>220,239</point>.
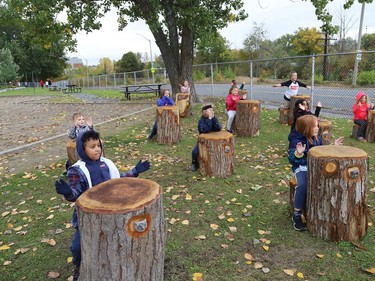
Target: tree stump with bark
<point>293,100</point>
<point>284,116</point>
<point>216,154</point>
<point>355,131</point>
<point>72,151</point>
<point>292,191</point>
<point>168,122</point>
<point>247,118</point>
<point>123,231</point>
<point>336,192</point>
<point>325,131</point>
<point>183,102</point>
<point>370,130</point>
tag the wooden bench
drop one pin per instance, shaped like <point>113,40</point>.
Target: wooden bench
<point>141,89</point>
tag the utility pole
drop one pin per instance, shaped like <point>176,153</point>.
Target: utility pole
<point>359,52</point>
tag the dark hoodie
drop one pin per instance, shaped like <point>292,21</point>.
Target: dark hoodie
<point>298,112</point>
<point>294,138</point>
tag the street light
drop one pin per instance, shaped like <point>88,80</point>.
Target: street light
<point>87,71</point>
<point>152,64</point>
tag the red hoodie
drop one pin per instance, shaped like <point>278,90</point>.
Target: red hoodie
<point>360,113</point>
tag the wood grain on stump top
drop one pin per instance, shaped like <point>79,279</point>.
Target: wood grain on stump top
<point>220,135</point>
<point>248,101</point>
<point>119,196</point>
<point>337,151</point>
<point>160,109</point>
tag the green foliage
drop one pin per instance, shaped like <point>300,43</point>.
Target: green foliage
<point>8,69</point>
<point>366,78</point>
<point>229,73</point>
<point>305,41</point>
<point>129,62</point>
<point>198,75</point>
<point>218,76</point>
<point>318,78</point>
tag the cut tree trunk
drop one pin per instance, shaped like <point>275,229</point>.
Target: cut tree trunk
<point>183,102</point>
<point>355,131</point>
<point>247,118</point>
<point>168,122</point>
<point>325,131</point>
<point>216,154</point>
<point>293,100</point>
<point>336,192</point>
<point>123,231</point>
<point>72,151</point>
<point>370,131</point>
<point>283,116</point>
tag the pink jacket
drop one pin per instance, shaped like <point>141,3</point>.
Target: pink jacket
<point>360,113</point>
<point>230,103</point>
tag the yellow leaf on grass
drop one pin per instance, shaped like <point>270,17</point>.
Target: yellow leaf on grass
<point>69,259</point>
<point>258,265</point>
<point>188,196</point>
<point>300,275</point>
<point>321,256</point>
<point>51,242</point>
<point>266,248</point>
<point>338,255</point>
<point>185,222</point>
<point>230,220</point>
<point>50,217</point>
<point>18,228</point>
<point>224,246</point>
<point>172,220</point>
<point>289,272</point>
<point>200,237</point>
<point>197,276</point>
<point>233,229</point>
<point>261,232</point>
<point>248,256</point>
<point>7,262</point>
<point>53,275</point>
<point>174,197</point>
<point>370,270</point>
<point>214,226</point>
<point>222,216</point>
<point>5,247</point>
<point>4,214</point>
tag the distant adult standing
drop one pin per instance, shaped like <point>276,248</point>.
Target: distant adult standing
<point>41,83</point>
<point>49,82</point>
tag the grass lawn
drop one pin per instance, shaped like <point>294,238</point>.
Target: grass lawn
<point>214,225</point>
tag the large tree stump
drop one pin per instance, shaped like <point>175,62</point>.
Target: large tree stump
<point>336,192</point>
<point>370,130</point>
<point>247,118</point>
<point>355,131</point>
<point>283,116</point>
<point>183,102</point>
<point>216,154</point>
<point>168,122</point>
<point>123,231</point>
<point>293,100</point>
<point>325,131</point>
<point>72,151</point>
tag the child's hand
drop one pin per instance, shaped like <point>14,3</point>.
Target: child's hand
<point>63,188</point>
<point>210,113</point>
<point>142,166</point>
<point>300,148</point>
<point>319,104</point>
<point>338,141</point>
<point>89,122</point>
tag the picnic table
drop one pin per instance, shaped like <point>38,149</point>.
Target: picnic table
<point>71,88</point>
<point>53,88</point>
<point>141,89</point>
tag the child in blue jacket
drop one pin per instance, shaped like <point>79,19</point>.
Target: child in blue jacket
<point>90,170</point>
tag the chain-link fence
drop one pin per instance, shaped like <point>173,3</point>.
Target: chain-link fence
<point>330,77</point>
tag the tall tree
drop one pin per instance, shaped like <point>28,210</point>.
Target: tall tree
<point>175,25</point>
<point>306,41</point>
<point>8,69</point>
<point>212,48</point>
<point>129,62</point>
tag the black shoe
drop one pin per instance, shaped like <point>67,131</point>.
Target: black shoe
<point>230,131</point>
<point>76,274</point>
<point>194,166</point>
<point>298,223</point>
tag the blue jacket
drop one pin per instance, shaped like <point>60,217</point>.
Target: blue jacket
<point>165,100</point>
<point>294,138</point>
<point>205,125</point>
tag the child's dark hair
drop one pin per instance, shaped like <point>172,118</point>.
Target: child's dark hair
<point>91,134</point>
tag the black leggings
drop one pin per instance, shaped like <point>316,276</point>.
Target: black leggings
<point>362,129</point>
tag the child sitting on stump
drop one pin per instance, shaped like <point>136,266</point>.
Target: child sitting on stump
<point>360,111</point>
<point>207,123</point>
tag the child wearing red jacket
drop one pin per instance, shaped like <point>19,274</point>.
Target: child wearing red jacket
<point>360,111</point>
<point>231,106</point>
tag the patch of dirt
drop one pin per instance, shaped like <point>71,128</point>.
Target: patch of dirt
<point>34,130</point>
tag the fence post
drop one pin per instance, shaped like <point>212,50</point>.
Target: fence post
<point>312,80</point>
<point>212,79</point>
<point>135,78</point>
<point>251,80</point>
<point>114,79</point>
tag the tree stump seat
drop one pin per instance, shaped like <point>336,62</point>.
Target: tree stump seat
<point>168,123</point>
<point>325,131</point>
<point>183,102</point>
<point>355,131</point>
<point>370,130</point>
<point>72,151</point>
<point>336,192</point>
<point>123,231</point>
<point>247,121</point>
<point>283,116</point>
<point>216,154</point>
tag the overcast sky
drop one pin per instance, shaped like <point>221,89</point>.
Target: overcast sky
<point>280,17</point>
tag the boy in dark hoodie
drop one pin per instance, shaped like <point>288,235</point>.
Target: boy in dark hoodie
<point>301,108</point>
<point>90,170</point>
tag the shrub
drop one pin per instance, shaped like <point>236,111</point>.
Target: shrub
<point>366,78</point>
<point>198,75</point>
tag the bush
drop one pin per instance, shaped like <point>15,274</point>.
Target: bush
<point>198,75</point>
<point>366,78</point>
<point>318,78</point>
<point>229,74</point>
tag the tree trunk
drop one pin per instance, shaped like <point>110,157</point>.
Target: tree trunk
<point>370,131</point>
<point>247,118</point>
<point>325,131</point>
<point>216,154</point>
<point>283,116</point>
<point>183,102</point>
<point>336,192</point>
<point>293,100</point>
<point>355,131</point>
<point>123,231</point>
<point>168,122</point>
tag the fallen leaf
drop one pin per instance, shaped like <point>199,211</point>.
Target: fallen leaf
<point>258,265</point>
<point>51,242</point>
<point>214,226</point>
<point>200,237</point>
<point>197,276</point>
<point>320,256</point>
<point>172,220</point>
<point>5,247</point>
<point>248,257</point>
<point>185,222</point>
<point>53,275</point>
<point>265,269</point>
<point>370,270</point>
<point>266,248</point>
<point>50,217</point>
<point>233,229</point>
<point>289,272</point>
<point>230,220</point>
<point>338,255</point>
<point>300,275</point>
<point>224,246</point>
<point>7,263</point>
<point>261,232</point>
<point>188,196</point>
<point>4,214</point>
<point>69,259</point>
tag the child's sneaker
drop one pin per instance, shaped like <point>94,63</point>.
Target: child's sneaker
<point>298,223</point>
<point>76,274</point>
<point>362,139</point>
